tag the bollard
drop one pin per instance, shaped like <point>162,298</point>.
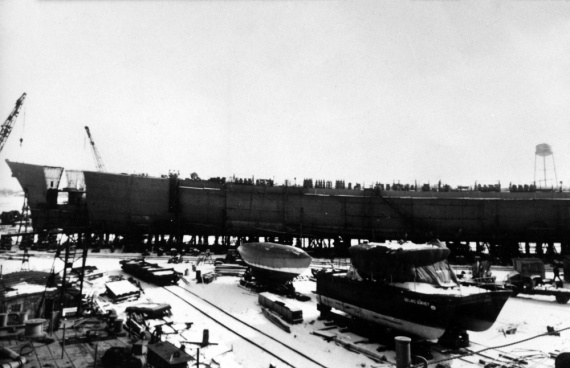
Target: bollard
<point>403,355</point>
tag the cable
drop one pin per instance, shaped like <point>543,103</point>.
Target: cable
<point>495,347</point>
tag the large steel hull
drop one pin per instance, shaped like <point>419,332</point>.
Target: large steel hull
<point>133,203</point>
<point>117,203</point>
<point>36,180</point>
<point>208,208</point>
<point>40,184</point>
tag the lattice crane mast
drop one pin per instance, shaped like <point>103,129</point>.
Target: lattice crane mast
<point>98,160</point>
<point>6,128</point>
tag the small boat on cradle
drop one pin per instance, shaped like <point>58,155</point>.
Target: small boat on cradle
<point>274,262</point>
<point>150,272</point>
<point>409,288</point>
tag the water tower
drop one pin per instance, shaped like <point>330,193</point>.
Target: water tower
<point>543,150</point>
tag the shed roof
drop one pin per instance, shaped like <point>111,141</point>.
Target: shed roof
<point>9,280</point>
<point>120,288</point>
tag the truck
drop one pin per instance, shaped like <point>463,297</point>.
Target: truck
<point>529,277</point>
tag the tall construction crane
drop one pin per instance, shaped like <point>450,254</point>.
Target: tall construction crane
<point>9,123</point>
<point>98,160</point>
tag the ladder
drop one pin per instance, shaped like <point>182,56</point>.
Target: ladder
<point>72,249</point>
<point>25,221</point>
<point>25,261</point>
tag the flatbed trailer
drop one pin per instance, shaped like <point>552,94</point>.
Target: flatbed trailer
<point>562,295</point>
<point>524,287</point>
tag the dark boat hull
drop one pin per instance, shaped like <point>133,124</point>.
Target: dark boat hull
<point>150,272</point>
<point>478,312</point>
<point>427,316</point>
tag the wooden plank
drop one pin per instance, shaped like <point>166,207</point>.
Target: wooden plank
<point>55,350</point>
<point>75,355</point>
<point>276,320</point>
<point>44,355</point>
<point>357,349</point>
<point>325,335</point>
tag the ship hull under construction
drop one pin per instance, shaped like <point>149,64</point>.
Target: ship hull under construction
<point>120,203</point>
<point>40,185</point>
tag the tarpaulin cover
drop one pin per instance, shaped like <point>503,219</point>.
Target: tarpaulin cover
<point>399,262</point>
<point>121,288</point>
<point>438,273</point>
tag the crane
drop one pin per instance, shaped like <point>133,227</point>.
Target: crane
<point>98,160</point>
<point>6,128</point>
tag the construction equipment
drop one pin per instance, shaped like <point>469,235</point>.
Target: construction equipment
<point>6,128</point>
<point>98,160</point>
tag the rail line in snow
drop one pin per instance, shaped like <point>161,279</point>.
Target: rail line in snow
<point>265,340</point>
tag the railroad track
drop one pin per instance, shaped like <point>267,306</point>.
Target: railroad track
<point>285,353</point>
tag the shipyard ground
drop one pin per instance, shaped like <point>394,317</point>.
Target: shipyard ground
<point>244,337</point>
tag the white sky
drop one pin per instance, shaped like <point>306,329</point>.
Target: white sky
<point>458,91</point>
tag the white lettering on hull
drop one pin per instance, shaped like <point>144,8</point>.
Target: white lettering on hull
<point>417,329</point>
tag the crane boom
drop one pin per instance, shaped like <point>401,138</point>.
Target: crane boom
<point>6,128</point>
<point>98,160</point>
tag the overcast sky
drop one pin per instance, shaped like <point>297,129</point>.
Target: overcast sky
<point>364,91</point>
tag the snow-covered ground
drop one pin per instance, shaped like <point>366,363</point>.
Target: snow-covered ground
<point>530,316</point>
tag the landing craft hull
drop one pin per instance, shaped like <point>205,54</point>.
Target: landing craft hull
<point>274,262</point>
<point>419,315</point>
<point>478,312</point>
<point>422,314</point>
